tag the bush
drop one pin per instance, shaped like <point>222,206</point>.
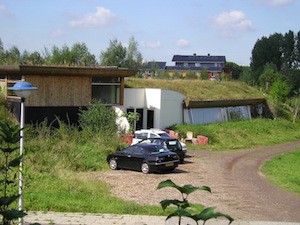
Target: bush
<point>98,118</point>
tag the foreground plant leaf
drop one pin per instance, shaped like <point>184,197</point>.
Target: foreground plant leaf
<point>209,213</point>
<point>12,214</point>
<point>186,189</point>
<point>180,213</point>
<point>182,204</point>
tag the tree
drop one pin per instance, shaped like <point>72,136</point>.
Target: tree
<point>1,46</point>
<point>204,75</point>
<point>114,55</point>
<point>297,51</point>
<point>288,50</point>
<point>117,55</point>
<point>80,55</point>
<point>279,90</point>
<point>269,76</point>
<point>235,69</point>
<point>267,50</point>
<point>134,58</point>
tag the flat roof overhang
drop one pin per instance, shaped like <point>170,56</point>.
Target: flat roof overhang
<point>222,103</point>
<point>110,71</point>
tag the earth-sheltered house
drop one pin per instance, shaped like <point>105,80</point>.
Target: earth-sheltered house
<point>63,91</point>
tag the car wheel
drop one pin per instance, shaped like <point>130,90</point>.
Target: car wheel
<point>145,168</point>
<point>113,164</point>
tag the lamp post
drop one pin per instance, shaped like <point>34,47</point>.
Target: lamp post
<point>22,89</point>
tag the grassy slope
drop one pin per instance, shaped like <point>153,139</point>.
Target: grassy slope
<point>284,170</point>
<point>200,89</point>
<point>243,134</point>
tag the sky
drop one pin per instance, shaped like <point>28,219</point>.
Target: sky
<point>162,28</point>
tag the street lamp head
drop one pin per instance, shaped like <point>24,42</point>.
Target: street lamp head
<point>22,89</point>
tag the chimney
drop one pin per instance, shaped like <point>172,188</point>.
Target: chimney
<point>208,54</point>
<point>194,53</point>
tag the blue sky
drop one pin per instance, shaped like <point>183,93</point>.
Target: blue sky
<point>161,28</point>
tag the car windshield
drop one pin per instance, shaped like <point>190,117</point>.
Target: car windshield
<point>158,149</point>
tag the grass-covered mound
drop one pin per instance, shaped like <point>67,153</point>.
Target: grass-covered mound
<point>200,89</point>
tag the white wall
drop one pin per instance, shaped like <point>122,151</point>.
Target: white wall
<point>171,108</point>
<point>167,105</point>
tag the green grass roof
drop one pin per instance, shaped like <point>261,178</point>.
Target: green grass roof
<point>197,90</point>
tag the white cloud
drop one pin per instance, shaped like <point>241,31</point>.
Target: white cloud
<point>100,18</point>
<point>182,43</point>
<point>57,33</point>
<point>151,45</point>
<point>232,22</point>
<point>3,11</point>
<point>279,2</point>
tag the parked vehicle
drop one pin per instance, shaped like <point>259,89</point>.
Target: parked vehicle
<point>170,143</point>
<point>144,157</point>
<point>140,135</point>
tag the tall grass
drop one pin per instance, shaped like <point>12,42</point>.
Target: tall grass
<point>243,134</point>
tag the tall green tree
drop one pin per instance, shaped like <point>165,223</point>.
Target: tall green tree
<point>134,58</point>
<point>267,50</point>
<point>288,50</point>
<point>114,55</point>
<point>1,46</point>
<point>297,51</point>
<point>80,55</point>
<point>118,55</point>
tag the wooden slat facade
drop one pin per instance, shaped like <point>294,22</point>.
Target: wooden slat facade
<point>63,86</point>
<point>55,91</point>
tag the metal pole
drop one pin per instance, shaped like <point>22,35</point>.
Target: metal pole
<point>21,204</point>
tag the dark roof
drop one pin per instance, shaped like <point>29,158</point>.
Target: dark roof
<point>198,58</point>
<point>156,65</point>
<point>65,70</point>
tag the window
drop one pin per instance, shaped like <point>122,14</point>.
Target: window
<point>106,89</point>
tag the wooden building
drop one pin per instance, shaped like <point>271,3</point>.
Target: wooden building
<point>62,90</point>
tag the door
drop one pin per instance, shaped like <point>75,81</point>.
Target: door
<point>150,119</point>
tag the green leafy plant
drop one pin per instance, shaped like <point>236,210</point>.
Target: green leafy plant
<point>98,118</point>
<point>8,145</point>
<point>184,208</point>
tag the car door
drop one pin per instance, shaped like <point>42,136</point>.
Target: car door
<point>124,157</point>
<point>137,157</point>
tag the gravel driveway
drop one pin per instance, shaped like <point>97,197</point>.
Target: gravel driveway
<point>238,187</point>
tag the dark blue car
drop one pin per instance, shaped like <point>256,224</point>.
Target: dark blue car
<point>144,157</point>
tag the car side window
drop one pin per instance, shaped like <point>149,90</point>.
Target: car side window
<point>138,151</point>
<point>141,135</point>
<point>129,150</point>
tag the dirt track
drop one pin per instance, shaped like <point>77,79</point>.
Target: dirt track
<point>238,188</point>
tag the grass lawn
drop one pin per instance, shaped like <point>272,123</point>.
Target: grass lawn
<point>77,194</point>
<point>284,171</point>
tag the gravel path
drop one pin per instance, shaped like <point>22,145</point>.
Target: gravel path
<point>238,187</point>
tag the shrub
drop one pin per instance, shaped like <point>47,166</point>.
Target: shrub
<point>98,118</point>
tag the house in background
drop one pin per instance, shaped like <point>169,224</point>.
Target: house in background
<point>197,64</point>
<point>63,91</point>
<point>152,68</point>
<point>214,65</point>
